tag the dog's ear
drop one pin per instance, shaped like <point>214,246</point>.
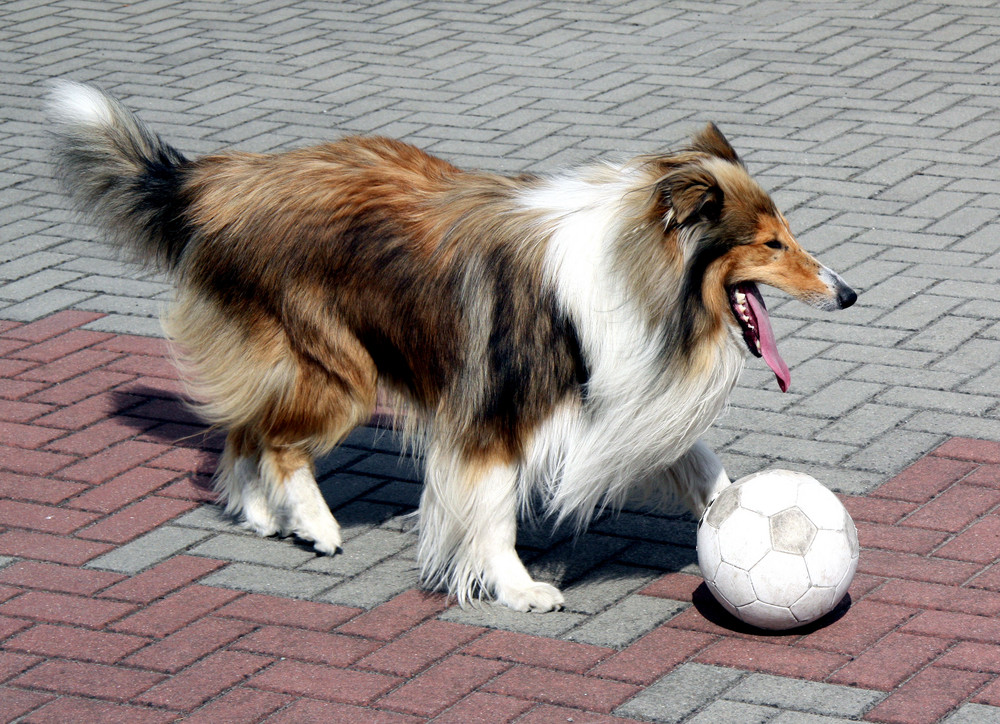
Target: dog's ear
<point>691,194</point>
<point>711,141</point>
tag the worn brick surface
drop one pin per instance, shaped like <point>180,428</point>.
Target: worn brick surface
<point>552,687</point>
<point>890,662</point>
<point>75,643</point>
<point>419,648</point>
<point>239,705</point>
<point>64,608</point>
<point>444,684</point>
<point>69,708</point>
<point>652,656</point>
<point>482,708</point>
<point>161,579</point>
<point>186,646</point>
<point>773,659</point>
<point>54,577</point>
<point>536,651</point>
<point>204,680</point>
<point>307,645</point>
<point>324,682</point>
<point>395,616</point>
<point>928,696</point>
<point>286,612</point>
<point>90,680</point>
<point>873,122</point>
<point>176,610</point>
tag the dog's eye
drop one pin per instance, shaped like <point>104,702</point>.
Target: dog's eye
<point>774,244</point>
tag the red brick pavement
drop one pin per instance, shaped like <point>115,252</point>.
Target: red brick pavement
<point>84,467</point>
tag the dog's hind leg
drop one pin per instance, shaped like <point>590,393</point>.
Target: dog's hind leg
<point>319,414</point>
<point>239,486</point>
<point>286,475</point>
<point>271,490</point>
<point>287,390</point>
<point>468,528</point>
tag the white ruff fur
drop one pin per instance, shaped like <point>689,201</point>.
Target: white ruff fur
<point>641,417</point>
<point>635,438</point>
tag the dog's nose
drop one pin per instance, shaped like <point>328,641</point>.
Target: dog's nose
<point>846,296</point>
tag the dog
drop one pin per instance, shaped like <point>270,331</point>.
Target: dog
<point>562,338</point>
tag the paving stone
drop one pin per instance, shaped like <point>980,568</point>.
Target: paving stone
<point>950,687</point>
<point>733,712</point>
<point>680,693</point>
<point>894,449</point>
<point>375,586</point>
<point>572,559</point>
<point>604,586</point>
<point>553,624</point>
<point>955,425</point>
<point>254,549</point>
<point>798,717</point>
<point>210,517</point>
<point>365,551</point>
<point>30,286</point>
<point>270,580</point>
<point>43,304</point>
<point>626,621</point>
<point>864,423</point>
<point>873,126</point>
<point>806,696</point>
<point>972,714</point>
<point>147,550</point>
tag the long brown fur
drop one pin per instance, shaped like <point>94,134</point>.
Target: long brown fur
<point>500,311</point>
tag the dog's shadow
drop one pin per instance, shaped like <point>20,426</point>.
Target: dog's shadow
<point>370,481</point>
<point>161,415</point>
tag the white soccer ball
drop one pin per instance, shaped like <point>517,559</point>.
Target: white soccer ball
<point>777,549</point>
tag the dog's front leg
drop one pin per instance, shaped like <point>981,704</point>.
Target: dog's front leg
<point>468,528</point>
<point>694,479</point>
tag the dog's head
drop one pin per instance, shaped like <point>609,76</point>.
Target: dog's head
<point>732,238</point>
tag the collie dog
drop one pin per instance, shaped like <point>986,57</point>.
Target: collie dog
<point>560,339</point>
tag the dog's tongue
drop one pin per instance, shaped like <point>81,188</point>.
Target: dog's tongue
<point>768,345</point>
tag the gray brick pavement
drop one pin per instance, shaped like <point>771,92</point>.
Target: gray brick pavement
<point>874,122</point>
<point>680,693</point>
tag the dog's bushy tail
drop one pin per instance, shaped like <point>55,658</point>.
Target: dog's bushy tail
<point>122,173</point>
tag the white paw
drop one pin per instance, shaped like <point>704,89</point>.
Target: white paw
<point>317,526</point>
<point>325,541</point>
<point>537,597</point>
<point>260,522</point>
<point>308,515</point>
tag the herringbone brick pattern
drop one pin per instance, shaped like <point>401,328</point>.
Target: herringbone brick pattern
<point>874,122</point>
<point>116,605</point>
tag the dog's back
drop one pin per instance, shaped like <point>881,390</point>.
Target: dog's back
<point>569,335</point>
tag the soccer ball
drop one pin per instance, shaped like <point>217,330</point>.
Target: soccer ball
<point>777,549</point>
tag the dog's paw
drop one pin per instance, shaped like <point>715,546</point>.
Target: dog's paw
<point>327,544</point>
<point>324,534</point>
<point>260,521</point>
<point>320,529</point>
<point>537,597</point>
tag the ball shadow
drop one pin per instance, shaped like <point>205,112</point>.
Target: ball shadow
<point>713,611</point>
